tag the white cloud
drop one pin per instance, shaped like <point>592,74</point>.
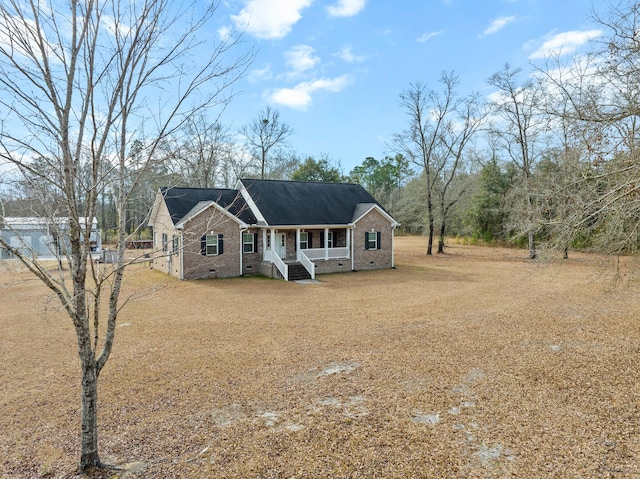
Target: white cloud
<point>346,8</point>
<point>348,56</point>
<point>498,24</point>
<point>300,59</point>
<point>299,97</point>
<point>565,43</point>
<point>427,36</point>
<point>270,19</point>
<point>260,73</point>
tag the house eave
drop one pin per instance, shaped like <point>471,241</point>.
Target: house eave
<point>306,226</point>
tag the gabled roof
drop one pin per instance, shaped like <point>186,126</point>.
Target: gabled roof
<point>289,203</point>
<point>180,201</point>
<point>363,208</point>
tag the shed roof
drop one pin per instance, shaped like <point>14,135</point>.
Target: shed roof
<point>42,222</point>
<point>181,201</point>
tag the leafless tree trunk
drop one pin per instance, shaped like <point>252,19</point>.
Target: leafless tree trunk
<point>77,82</point>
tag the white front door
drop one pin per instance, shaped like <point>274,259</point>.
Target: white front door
<point>281,245</point>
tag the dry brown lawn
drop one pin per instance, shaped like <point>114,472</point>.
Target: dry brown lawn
<point>477,363</point>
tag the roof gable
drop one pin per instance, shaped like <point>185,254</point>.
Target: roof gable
<point>364,208</point>
<point>290,203</point>
<point>181,201</point>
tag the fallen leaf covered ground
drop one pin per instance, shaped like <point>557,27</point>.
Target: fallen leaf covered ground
<point>476,363</point>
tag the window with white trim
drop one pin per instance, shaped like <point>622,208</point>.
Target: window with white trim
<point>211,245</point>
<point>304,240</point>
<point>372,240</point>
<point>330,239</point>
<point>248,242</point>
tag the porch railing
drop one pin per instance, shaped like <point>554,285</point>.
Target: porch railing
<point>307,263</point>
<point>330,253</point>
<point>271,255</point>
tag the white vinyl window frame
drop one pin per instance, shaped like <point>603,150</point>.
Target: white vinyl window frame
<point>248,241</point>
<point>212,245</point>
<point>304,240</point>
<point>372,240</point>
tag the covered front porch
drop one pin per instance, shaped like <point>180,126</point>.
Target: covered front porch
<point>328,246</point>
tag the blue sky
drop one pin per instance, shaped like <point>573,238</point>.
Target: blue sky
<point>335,68</point>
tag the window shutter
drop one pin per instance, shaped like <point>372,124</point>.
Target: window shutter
<point>378,238</point>
<point>366,240</point>
<point>255,242</point>
<point>203,245</point>
<point>322,239</point>
<point>220,244</point>
<point>309,236</point>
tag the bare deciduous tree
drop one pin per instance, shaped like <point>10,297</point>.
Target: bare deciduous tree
<point>427,112</point>
<point>79,81</point>
<point>201,150</point>
<point>469,115</point>
<point>441,125</point>
<point>264,133</point>
<point>519,130</point>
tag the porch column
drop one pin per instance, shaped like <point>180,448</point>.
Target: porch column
<point>326,243</point>
<point>297,243</point>
<point>264,242</point>
<point>272,234</point>
<point>348,243</point>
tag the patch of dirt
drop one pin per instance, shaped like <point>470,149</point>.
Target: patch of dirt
<point>476,363</point>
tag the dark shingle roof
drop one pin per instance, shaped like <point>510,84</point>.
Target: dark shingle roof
<point>306,203</point>
<point>180,201</point>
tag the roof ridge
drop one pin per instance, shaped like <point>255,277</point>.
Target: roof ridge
<point>165,188</point>
<point>300,181</point>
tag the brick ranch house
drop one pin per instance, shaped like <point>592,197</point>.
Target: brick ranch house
<point>281,229</point>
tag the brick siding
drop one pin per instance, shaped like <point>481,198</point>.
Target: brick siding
<point>372,259</point>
